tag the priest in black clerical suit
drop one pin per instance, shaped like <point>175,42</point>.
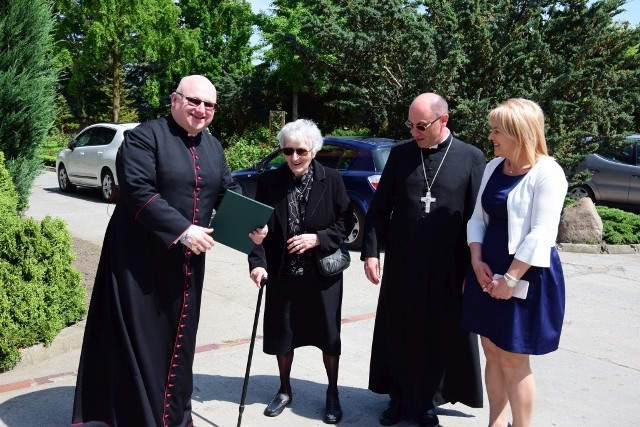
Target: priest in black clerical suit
<point>420,356</point>
<point>139,344</point>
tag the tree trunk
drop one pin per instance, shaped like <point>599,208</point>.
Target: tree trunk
<point>117,85</point>
<point>294,104</point>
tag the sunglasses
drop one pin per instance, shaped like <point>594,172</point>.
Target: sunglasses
<point>421,128</point>
<point>195,102</point>
<point>288,151</point>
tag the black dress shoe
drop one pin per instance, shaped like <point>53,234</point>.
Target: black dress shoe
<point>332,410</point>
<point>429,418</point>
<point>391,415</point>
<point>277,405</point>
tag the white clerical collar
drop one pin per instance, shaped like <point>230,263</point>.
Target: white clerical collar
<point>435,146</point>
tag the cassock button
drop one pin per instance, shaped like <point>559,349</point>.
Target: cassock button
<point>195,221</point>
<point>197,158</point>
<point>197,210</point>
<point>197,188</point>
<point>197,199</point>
<point>198,168</point>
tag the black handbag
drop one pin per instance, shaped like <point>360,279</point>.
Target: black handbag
<point>335,262</point>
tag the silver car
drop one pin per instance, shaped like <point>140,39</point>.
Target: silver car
<point>615,176</point>
<point>90,159</point>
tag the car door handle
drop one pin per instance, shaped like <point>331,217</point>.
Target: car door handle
<point>635,175</point>
<point>99,153</point>
<point>594,170</point>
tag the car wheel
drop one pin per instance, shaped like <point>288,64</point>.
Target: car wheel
<point>63,180</point>
<point>109,188</point>
<point>581,191</point>
<point>354,240</point>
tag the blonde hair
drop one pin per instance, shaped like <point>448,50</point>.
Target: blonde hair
<point>522,120</point>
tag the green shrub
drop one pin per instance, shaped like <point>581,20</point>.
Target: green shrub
<point>40,290</point>
<point>619,227</point>
<point>244,150</point>
<point>23,171</point>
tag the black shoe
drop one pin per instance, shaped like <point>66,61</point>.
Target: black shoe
<point>429,418</point>
<point>277,405</point>
<point>391,415</point>
<point>332,410</point>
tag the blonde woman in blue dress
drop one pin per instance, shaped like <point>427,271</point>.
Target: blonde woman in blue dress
<point>512,235</point>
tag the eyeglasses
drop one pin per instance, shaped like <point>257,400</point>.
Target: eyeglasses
<point>195,102</point>
<point>421,128</point>
<point>288,151</point>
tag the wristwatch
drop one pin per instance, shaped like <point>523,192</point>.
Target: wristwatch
<point>511,282</point>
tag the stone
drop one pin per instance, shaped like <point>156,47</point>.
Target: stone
<point>580,223</point>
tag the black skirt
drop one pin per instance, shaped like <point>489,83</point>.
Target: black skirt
<point>301,311</point>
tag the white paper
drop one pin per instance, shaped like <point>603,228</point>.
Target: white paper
<point>520,291</point>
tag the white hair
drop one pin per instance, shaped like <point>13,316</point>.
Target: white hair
<point>302,130</point>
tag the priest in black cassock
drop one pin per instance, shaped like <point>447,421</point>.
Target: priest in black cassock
<point>139,343</point>
<point>420,356</point>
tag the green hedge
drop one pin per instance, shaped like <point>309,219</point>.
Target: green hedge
<point>619,227</point>
<point>40,290</point>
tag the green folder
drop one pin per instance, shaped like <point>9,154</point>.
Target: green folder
<point>236,217</point>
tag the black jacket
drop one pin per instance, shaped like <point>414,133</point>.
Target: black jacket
<point>329,214</point>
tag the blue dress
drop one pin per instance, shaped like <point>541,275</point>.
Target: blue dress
<point>529,326</point>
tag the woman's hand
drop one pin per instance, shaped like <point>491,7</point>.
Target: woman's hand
<point>258,235</point>
<point>258,274</point>
<point>303,242</point>
<point>499,289</point>
<point>483,274</point>
<point>372,269</point>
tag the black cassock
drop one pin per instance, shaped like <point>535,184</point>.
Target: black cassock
<point>419,349</point>
<point>137,355</point>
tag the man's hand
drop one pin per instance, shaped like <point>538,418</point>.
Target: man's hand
<point>198,239</point>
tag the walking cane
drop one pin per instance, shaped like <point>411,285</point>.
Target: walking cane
<point>253,341</point>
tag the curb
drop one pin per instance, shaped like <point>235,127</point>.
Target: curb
<point>599,249</point>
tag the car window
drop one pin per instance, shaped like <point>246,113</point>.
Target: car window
<point>84,138</point>
<point>330,156</point>
<point>101,136</point>
<point>380,157</point>
<point>617,153</point>
<point>275,162</point>
<point>638,154</point>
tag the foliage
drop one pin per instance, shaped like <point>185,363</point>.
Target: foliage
<point>568,56</point>
<point>377,55</point>
<point>56,141</point>
<point>224,28</point>
<point>28,80</point>
<point>107,39</point>
<point>40,291</point>
<point>619,227</point>
<point>243,151</point>
<point>23,170</point>
<point>358,63</point>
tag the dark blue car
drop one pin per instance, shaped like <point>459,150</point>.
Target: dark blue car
<point>359,160</point>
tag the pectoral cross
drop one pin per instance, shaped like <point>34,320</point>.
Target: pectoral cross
<point>427,200</point>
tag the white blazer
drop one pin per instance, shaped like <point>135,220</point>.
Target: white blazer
<point>533,208</point>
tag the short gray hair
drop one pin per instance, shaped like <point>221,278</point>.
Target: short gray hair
<point>299,131</point>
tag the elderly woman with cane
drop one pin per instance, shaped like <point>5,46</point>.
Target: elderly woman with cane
<point>312,216</point>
